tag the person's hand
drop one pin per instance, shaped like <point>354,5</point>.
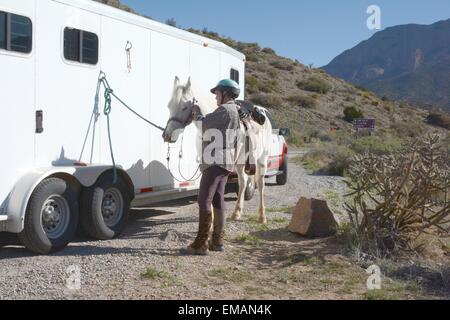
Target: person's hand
<point>195,110</point>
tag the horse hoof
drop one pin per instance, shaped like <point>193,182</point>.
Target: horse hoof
<point>262,220</point>
<point>236,217</point>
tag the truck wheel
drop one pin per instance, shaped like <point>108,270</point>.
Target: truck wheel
<point>105,208</point>
<point>282,178</point>
<point>249,191</point>
<point>51,218</point>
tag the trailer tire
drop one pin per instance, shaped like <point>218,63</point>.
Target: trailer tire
<point>105,208</point>
<point>283,177</point>
<point>51,218</point>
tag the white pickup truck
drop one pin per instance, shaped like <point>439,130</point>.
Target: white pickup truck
<point>278,158</point>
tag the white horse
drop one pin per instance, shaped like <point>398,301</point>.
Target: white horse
<point>180,107</point>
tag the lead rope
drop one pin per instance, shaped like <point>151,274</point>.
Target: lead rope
<point>197,175</point>
<point>108,94</point>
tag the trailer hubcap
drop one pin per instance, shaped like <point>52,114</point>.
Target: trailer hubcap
<point>112,207</point>
<point>55,216</point>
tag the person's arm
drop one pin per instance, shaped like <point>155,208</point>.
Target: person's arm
<point>213,120</point>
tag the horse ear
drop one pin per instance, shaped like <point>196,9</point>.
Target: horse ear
<point>176,83</point>
<point>188,85</point>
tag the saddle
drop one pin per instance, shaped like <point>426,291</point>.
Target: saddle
<point>246,116</point>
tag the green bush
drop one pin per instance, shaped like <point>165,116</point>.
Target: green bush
<point>252,81</point>
<point>267,100</point>
<point>314,84</point>
<point>341,157</point>
<point>269,51</point>
<point>284,65</point>
<point>407,129</point>
<point>302,101</point>
<point>376,145</point>
<point>252,57</point>
<point>439,119</point>
<point>352,113</point>
<point>268,86</point>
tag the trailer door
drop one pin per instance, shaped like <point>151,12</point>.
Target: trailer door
<point>17,88</point>
<point>67,71</point>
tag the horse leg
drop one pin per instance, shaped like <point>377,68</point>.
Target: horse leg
<point>240,170</point>
<point>261,184</point>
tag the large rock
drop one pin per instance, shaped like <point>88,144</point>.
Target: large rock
<point>313,218</point>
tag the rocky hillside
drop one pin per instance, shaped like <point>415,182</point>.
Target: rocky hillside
<point>408,62</point>
<point>311,102</point>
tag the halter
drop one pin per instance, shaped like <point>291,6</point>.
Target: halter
<point>184,123</point>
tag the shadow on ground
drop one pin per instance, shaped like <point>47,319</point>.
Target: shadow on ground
<point>141,224</point>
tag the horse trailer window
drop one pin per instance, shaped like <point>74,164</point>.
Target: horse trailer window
<point>2,30</point>
<point>16,33</point>
<point>234,75</point>
<point>21,34</point>
<point>80,46</point>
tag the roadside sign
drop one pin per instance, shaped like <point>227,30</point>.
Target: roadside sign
<point>364,124</point>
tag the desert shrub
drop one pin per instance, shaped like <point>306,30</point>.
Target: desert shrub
<point>340,159</point>
<point>439,119</point>
<point>351,113</point>
<point>267,100</point>
<point>252,81</point>
<point>269,51</point>
<point>376,145</point>
<point>284,65</point>
<point>302,101</point>
<point>394,198</point>
<point>407,129</point>
<point>375,103</point>
<point>272,72</point>
<point>314,84</point>
<point>252,57</point>
<point>268,86</point>
<point>295,139</point>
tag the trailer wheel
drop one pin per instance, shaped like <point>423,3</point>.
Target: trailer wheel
<point>105,208</point>
<point>282,178</point>
<point>51,218</point>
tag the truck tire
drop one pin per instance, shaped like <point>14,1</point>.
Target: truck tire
<point>249,191</point>
<point>105,208</point>
<point>51,218</point>
<point>282,178</point>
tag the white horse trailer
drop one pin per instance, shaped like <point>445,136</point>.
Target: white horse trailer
<point>51,55</point>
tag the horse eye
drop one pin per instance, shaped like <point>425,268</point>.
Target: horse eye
<point>184,109</point>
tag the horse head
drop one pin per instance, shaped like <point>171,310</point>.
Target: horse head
<point>180,107</point>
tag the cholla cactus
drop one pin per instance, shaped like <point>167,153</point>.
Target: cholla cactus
<point>399,197</point>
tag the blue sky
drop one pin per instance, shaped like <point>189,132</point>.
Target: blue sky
<point>312,31</point>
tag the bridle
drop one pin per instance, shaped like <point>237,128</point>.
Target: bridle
<point>184,123</point>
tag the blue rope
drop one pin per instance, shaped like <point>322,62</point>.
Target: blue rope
<point>108,94</point>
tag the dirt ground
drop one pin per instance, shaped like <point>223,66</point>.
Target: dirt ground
<point>261,262</point>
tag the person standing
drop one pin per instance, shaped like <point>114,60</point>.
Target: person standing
<point>216,167</point>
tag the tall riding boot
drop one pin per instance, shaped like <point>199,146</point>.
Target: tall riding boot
<point>200,245</point>
<point>216,243</point>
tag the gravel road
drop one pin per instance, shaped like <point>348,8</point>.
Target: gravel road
<point>114,269</point>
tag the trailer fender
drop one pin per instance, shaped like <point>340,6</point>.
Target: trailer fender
<point>17,201</point>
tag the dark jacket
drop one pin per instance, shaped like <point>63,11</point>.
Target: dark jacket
<point>225,120</point>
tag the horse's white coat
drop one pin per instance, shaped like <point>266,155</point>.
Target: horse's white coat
<point>180,107</point>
